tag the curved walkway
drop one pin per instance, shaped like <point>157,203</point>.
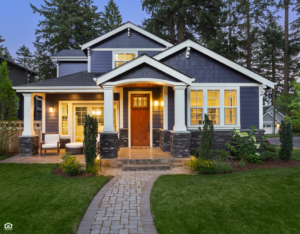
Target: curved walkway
<point>123,204</point>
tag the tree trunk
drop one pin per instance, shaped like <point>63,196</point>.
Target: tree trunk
<point>248,36</point>
<point>172,30</point>
<point>230,27</point>
<point>181,26</point>
<point>286,47</point>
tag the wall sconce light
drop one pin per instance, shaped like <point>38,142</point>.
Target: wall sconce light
<point>51,109</point>
<point>155,103</point>
<point>162,103</point>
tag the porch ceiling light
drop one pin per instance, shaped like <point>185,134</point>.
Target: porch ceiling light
<point>155,103</point>
<point>51,109</point>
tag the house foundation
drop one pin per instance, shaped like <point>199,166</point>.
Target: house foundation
<point>109,143</point>
<point>180,144</point>
<point>28,145</point>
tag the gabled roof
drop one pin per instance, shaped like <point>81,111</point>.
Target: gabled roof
<point>70,54</point>
<point>266,110</point>
<point>271,117</point>
<point>144,59</point>
<point>215,56</point>
<point>12,62</point>
<point>125,27</point>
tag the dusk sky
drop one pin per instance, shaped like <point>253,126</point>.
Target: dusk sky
<point>18,23</point>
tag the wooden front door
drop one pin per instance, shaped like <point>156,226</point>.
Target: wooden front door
<point>140,120</point>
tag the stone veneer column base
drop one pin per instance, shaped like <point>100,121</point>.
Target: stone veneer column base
<point>165,144</point>
<point>180,144</point>
<point>109,145</point>
<point>155,137</point>
<point>123,137</point>
<point>28,145</point>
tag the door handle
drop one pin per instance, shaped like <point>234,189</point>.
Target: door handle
<point>148,127</point>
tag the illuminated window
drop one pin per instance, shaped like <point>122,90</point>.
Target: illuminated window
<point>196,101</point>
<point>140,102</point>
<point>214,115</point>
<point>230,100</point>
<point>121,58</point>
<point>230,116</point>
<point>213,100</point>
<point>64,119</point>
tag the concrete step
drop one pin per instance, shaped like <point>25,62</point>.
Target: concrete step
<point>147,161</point>
<point>146,167</point>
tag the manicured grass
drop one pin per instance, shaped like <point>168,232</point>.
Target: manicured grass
<point>277,135</point>
<point>258,201</point>
<point>34,200</point>
<point>5,157</point>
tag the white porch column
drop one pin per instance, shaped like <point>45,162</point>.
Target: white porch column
<point>89,59</point>
<point>108,109</point>
<point>165,89</point>
<point>57,68</point>
<point>179,112</point>
<point>28,115</point>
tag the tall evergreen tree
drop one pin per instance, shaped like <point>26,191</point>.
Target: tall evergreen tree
<point>24,57</point>
<point>66,24</point>
<point>4,51</point>
<point>111,18</point>
<point>42,63</point>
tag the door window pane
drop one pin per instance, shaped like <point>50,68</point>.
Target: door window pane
<point>64,119</point>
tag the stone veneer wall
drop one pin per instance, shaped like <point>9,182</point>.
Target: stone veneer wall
<point>109,145</point>
<point>123,137</point>
<point>180,144</point>
<point>221,137</point>
<point>63,141</point>
<point>28,145</point>
<point>156,137</point>
<point>165,144</point>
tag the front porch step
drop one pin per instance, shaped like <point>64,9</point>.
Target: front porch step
<point>146,167</point>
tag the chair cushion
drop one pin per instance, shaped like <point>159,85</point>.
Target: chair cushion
<point>75,145</point>
<point>51,138</point>
<point>98,137</point>
<point>48,146</point>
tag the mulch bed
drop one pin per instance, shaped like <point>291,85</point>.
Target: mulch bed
<point>265,165</point>
<point>59,172</point>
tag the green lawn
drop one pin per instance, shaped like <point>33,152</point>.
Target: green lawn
<point>36,201</point>
<point>4,157</point>
<point>295,154</point>
<point>259,201</point>
<point>277,135</point>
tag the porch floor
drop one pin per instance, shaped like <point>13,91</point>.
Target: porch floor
<point>124,153</point>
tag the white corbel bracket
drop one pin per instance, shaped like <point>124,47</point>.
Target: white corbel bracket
<point>262,91</point>
<point>188,49</point>
<point>128,32</point>
<point>89,51</point>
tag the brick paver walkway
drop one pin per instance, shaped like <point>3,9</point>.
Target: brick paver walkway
<point>123,205</point>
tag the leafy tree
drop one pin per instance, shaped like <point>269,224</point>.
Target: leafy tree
<point>42,63</point>
<point>111,18</point>
<point>286,139</point>
<point>24,57</point>
<point>90,139</point>
<point>206,139</point>
<point>4,51</point>
<point>294,119</point>
<point>66,24</point>
<point>8,108</point>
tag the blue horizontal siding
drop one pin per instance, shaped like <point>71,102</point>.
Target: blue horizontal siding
<point>101,61</point>
<point>121,40</point>
<point>150,53</point>
<point>249,107</point>
<point>204,68</point>
<point>67,68</point>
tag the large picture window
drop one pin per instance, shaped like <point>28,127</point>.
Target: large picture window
<point>121,58</point>
<point>196,103</point>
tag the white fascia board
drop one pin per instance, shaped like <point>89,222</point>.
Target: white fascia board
<point>67,89</point>
<point>145,80</point>
<point>216,57</point>
<point>271,107</point>
<point>128,49</point>
<point>196,85</point>
<point>121,28</point>
<point>150,61</point>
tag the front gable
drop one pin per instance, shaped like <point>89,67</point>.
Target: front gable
<point>204,68</point>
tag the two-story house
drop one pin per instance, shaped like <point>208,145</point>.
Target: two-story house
<point>144,91</point>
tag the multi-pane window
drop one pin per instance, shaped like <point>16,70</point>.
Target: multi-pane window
<point>80,113</point>
<point>64,119</point>
<point>196,103</point>
<point>213,100</point>
<point>140,102</point>
<point>230,101</point>
<point>121,58</point>
<point>98,113</point>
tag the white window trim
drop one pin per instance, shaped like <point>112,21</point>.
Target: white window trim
<point>122,52</point>
<point>129,115</point>
<point>222,124</point>
<point>71,117</point>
